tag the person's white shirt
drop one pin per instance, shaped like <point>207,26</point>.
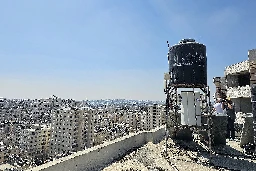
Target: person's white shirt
<point>218,108</point>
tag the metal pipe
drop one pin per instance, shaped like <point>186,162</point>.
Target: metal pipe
<point>166,117</point>
<point>210,119</point>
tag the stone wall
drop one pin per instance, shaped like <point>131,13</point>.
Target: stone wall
<point>99,156</point>
<point>236,92</point>
<point>247,131</point>
<point>219,130</point>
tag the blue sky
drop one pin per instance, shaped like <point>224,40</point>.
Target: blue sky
<point>98,49</point>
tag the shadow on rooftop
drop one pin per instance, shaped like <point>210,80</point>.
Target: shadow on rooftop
<point>223,156</point>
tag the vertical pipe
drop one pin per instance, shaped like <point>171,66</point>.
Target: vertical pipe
<point>210,121</point>
<point>167,106</point>
<point>195,105</point>
<point>166,117</point>
<point>176,112</point>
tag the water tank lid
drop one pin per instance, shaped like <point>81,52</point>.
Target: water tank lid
<point>187,41</point>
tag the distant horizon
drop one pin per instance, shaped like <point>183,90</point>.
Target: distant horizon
<point>77,100</point>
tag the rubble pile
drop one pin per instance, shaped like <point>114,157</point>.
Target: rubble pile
<point>184,156</point>
<point>240,117</point>
<point>146,158</point>
<point>152,157</point>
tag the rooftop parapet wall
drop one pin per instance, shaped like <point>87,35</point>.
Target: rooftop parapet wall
<point>97,157</point>
<point>237,68</point>
<point>236,92</point>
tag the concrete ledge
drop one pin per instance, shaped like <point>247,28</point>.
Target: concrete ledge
<point>237,68</point>
<point>99,156</point>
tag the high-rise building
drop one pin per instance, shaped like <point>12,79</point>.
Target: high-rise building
<point>72,130</point>
<point>154,116</point>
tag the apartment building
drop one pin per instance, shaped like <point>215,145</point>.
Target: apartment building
<point>35,142</point>
<point>89,115</point>
<point>236,85</point>
<point>139,121</point>
<point>157,115</point>
<point>65,124</point>
<point>72,130</point>
<point>154,117</point>
<point>132,121</point>
<point>44,137</point>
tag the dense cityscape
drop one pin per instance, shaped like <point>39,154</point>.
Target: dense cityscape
<point>37,131</point>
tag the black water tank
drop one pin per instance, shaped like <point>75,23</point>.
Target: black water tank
<point>188,64</point>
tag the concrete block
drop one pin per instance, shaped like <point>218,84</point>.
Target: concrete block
<point>219,130</point>
<point>247,131</point>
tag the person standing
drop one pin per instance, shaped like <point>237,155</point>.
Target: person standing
<point>231,120</point>
<point>218,106</point>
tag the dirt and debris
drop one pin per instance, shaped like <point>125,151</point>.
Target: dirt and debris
<point>184,156</point>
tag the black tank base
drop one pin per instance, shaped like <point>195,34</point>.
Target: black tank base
<point>183,133</point>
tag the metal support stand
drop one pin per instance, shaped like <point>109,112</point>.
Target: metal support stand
<point>166,118</point>
<point>208,112</point>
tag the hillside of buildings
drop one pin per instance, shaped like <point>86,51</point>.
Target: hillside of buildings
<point>33,132</point>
